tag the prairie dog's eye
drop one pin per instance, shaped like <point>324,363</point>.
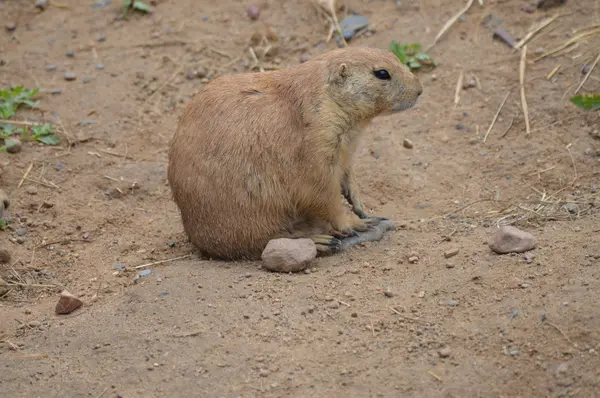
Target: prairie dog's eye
<point>382,74</point>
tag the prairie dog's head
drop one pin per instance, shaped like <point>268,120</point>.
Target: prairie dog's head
<point>370,82</point>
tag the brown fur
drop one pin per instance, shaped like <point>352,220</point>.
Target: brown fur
<point>258,156</point>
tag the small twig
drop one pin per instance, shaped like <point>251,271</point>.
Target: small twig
<point>255,59</point>
<point>560,331</point>
<point>343,303</point>
<point>103,392</point>
<point>438,378</point>
<point>20,123</point>
<point>25,175</point>
<point>554,71</point>
<point>153,93</point>
<point>12,346</point>
<point>115,154</point>
<point>495,117</point>
<point>162,261</point>
<point>29,284</point>
<point>573,163</point>
<point>459,83</point>
<point>587,75</point>
<point>508,128</point>
<point>47,185</point>
<point>522,83</point>
<point>450,22</point>
<point>568,43</point>
<point>406,317</point>
<point>534,31</point>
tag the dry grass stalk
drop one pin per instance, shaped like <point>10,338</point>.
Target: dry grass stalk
<point>554,71</point>
<point>534,31</point>
<point>25,175</point>
<point>450,22</point>
<point>569,42</point>
<point>522,84</point>
<point>495,117</point>
<point>329,6</point>
<point>459,83</point>
<point>587,75</point>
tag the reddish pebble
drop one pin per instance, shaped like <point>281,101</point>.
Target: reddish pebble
<point>67,303</point>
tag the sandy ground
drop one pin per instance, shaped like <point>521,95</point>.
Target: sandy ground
<point>474,325</point>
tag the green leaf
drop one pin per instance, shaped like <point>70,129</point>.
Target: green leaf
<point>49,140</point>
<point>41,131</point>
<point>412,64</point>
<point>590,102</point>
<point>2,220</point>
<point>141,6</point>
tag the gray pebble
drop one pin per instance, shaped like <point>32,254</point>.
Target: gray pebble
<point>41,4</point>
<point>100,66</point>
<point>51,68</point>
<point>69,76</point>
<point>21,231</point>
<point>450,303</point>
<point>13,144</point>
<point>56,91</point>
<point>11,26</point>
<point>460,126</point>
<point>86,80</point>
<point>70,54</point>
<point>20,240</point>
<point>101,38</point>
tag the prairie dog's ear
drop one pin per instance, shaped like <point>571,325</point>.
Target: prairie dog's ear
<point>339,75</point>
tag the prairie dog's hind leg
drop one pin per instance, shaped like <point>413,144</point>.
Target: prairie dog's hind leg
<point>316,231</point>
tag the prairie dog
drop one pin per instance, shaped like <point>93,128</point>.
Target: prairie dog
<point>259,156</point>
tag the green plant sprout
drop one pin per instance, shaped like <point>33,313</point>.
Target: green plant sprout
<point>411,55</point>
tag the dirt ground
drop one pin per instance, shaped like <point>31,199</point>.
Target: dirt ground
<point>474,325</point>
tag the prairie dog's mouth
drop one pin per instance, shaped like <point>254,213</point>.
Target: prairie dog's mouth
<point>402,106</point>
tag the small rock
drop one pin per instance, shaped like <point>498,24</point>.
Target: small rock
<point>421,294</point>
<point>56,91</point>
<point>21,231</point>
<point>388,293</point>
<point>352,24</point>
<point>101,38</point>
<point>288,255</point>
<point>451,253</point>
<point>4,256</point>
<point>70,53</point>
<point>34,324</point>
<point>41,4</point>
<point>11,26</point>
<point>449,265</point>
<point>407,143</point>
<point>253,12</point>
<point>31,190</point>
<point>20,240</point>
<point>450,303</point>
<point>67,303</point>
<point>13,145</point>
<point>304,58</point>
<point>413,259</point>
<point>100,66</point>
<point>470,84</point>
<point>264,372</point>
<point>572,208</point>
<point>70,76</point>
<point>529,256</point>
<point>86,80</point>
<point>4,288</point>
<point>460,126</point>
<point>51,68</point>
<point>444,352</point>
<point>509,239</point>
